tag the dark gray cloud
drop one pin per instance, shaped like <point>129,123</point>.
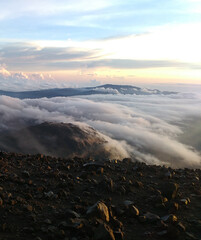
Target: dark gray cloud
<point>32,53</point>
<point>147,127</point>
<point>120,64</point>
<point>138,64</point>
<point>32,58</point>
<point>26,56</point>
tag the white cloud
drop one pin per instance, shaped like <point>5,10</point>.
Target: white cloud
<point>169,42</point>
<point>146,127</point>
<point>13,9</point>
<point>19,81</point>
<point>4,72</point>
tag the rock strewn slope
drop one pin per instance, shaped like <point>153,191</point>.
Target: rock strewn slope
<point>72,199</point>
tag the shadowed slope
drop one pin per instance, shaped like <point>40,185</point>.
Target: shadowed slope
<point>56,139</point>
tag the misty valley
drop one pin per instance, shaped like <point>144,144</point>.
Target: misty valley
<point>107,162</point>
<point>114,121</point>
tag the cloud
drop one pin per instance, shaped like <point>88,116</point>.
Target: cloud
<point>19,81</point>
<point>4,72</point>
<point>34,57</point>
<point>38,57</point>
<point>139,64</point>
<point>146,127</point>
<point>49,7</point>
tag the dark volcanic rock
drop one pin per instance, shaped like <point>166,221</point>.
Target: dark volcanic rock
<point>104,232</point>
<point>169,190</point>
<point>46,198</point>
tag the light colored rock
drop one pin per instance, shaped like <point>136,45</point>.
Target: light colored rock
<point>99,210</point>
<point>184,201</point>
<point>134,211</point>
<point>169,218</point>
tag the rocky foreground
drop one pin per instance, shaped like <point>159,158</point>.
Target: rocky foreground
<point>72,199</point>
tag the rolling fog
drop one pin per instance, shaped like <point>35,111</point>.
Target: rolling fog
<point>156,129</point>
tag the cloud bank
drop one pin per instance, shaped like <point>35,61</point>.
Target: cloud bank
<point>146,127</point>
<point>35,57</point>
<point>20,81</point>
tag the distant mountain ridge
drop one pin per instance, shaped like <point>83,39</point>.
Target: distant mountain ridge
<point>69,92</point>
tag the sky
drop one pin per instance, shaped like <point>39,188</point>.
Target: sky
<point>72,43</point>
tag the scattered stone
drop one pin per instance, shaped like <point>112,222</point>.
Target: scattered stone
<point>162,225</point>
<point>93,164</point>
<point>48,221</point>
<point>104,232</point>
<point>151,217</point>
<point>133,210</point>
<point>142,219</point>
<point>130,208</point>
<point>139,184</point>
<point>100,170</point>
<point>169,190</point>
<point>26,174</point>
<point>116,223</point>
<point>169,218</point>
<point>190,236</point>
<point>52,229</point>
<point>162,233</point>
<point>185,201</point>
<point>181,227</point>
<point>29,208</point>
<point>1,201</point>
<point>52,198</point>
<point>122,190</point>
<point>174,207</point>
<point>71,214</point>
<point>99,210</point>
<point>127,203</point>
<point>168,174</point>
<point>49,194</point>
<point>119,235</point>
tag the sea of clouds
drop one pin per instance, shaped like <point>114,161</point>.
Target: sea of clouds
<point>148,128</point>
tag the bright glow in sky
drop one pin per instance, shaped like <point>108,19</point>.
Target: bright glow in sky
<point>80,41</point>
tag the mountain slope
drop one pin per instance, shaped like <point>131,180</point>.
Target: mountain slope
<point>56,139</point>
<point>48,198</point>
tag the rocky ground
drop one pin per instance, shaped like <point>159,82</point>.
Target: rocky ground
<point>72,199</point>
